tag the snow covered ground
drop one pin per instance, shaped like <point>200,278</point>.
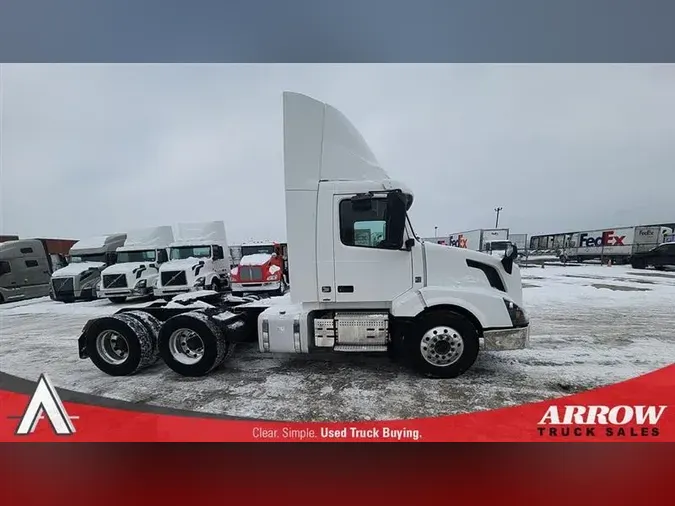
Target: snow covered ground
<point>591,325</point>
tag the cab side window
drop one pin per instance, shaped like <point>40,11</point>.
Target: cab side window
<point>218,253</point>
<point>363,223</point>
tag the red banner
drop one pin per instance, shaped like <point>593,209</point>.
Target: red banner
<point>640,409</point>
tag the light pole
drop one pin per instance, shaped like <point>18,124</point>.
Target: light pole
<point>497,210</point>
<point>435,231</point>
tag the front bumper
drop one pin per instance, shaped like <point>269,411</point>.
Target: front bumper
<point>174,290</point>
<point>516,338</point>
<point>267,286</point>
<point>123,292</point>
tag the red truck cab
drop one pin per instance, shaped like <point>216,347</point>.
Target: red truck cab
<point>262,269</point>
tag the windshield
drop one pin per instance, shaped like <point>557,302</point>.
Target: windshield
<point>87,258</point>
<point>190,251</point>
<point>254,250</point>
<point>148,255</point>
<point>498,245</point>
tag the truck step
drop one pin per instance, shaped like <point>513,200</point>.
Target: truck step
<point>358,347</point>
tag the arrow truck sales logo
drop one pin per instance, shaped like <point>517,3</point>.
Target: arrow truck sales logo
<point>600,420</point>
<point>45,401</point>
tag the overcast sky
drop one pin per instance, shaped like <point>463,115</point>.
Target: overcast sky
<point>94,149</point>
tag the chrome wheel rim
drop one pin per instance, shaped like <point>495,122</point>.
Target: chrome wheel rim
<point>112,347</point>
<point>441,346</point>
<point>186,346</point>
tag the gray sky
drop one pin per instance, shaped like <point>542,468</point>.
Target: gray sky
<point>93,149</point>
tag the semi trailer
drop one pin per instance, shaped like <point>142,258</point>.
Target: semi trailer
<point>261,269</point>
<point>431,306</point>
<point>476,240</point>
<point>88,257</point>
<point>618,244</point>
<point>199,258</point>
<point>138,261</point>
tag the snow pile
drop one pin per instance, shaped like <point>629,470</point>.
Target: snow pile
<point>196,304</point>
<point>256,259</point>
<point>193,295</point>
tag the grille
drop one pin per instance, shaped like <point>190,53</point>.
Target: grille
<point>174,278</point>
<point>63,286</point>
<point>250,273</point>
<point>114,281</point>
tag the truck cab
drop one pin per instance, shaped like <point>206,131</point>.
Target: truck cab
<point>25,270</point>
<point>88,257</point>
<point>261,269</point>
<point>363,280</point>
<point>137,268</point>
<point>199,259</point>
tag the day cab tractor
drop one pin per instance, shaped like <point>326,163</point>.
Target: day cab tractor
<point>261,270</point>
<point>363,281</point>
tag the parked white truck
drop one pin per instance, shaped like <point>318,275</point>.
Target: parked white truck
<point>199,258</point>
<point>138,263</point>
<point>88,258</point>
<point>431,305</point>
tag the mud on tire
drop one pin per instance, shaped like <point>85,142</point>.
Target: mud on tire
<point>123,344</point>
<point>444,337</point>
<point>214,347</point>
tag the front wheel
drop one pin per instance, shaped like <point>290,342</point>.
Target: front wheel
<point>442,344</point>
<point>214,286</point>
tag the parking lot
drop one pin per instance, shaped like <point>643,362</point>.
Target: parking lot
<point>591,325</point>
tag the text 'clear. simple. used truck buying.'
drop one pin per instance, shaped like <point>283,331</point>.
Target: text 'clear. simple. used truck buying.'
<point>430,305</point>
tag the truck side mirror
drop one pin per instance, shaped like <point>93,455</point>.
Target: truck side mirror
<point>396,208</point>
<point>510,257</point>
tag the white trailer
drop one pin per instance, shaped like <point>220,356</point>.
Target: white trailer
<point>615,244</point>
<point>476,239</point>
<point>199,258</point>
<point>138,261</point>
<point>433,306</point>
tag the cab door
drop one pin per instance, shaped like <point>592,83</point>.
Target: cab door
<point>366,269</point>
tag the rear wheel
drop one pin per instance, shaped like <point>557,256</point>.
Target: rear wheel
<point>191,344</point>
<point>122,344</point>
<point>442,344</point>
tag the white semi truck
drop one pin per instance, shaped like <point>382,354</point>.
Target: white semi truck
<point>430,305</point>
<point>199,258</point>
<point>138,263</point>
<point>88,258</point>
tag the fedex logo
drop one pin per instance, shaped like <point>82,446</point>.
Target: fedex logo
<point>460,242</point>
<point>607,238</point>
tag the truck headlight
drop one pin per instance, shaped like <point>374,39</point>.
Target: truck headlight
<point>518,316</point>
<point>142,283</point>
<point>200,281</point>
<point>273,277</point>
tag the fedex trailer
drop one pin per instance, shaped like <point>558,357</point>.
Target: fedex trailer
<point>476,239</point>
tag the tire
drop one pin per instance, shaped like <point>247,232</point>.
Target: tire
<point>638,264</point>
<point>138,339</point>
<point>2,299</point>
<point>463,338</point>
<point>117,300</point>
<point>203,340</point>
<point>215,286</point>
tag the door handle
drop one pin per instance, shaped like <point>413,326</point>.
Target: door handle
<point>345,288</point>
